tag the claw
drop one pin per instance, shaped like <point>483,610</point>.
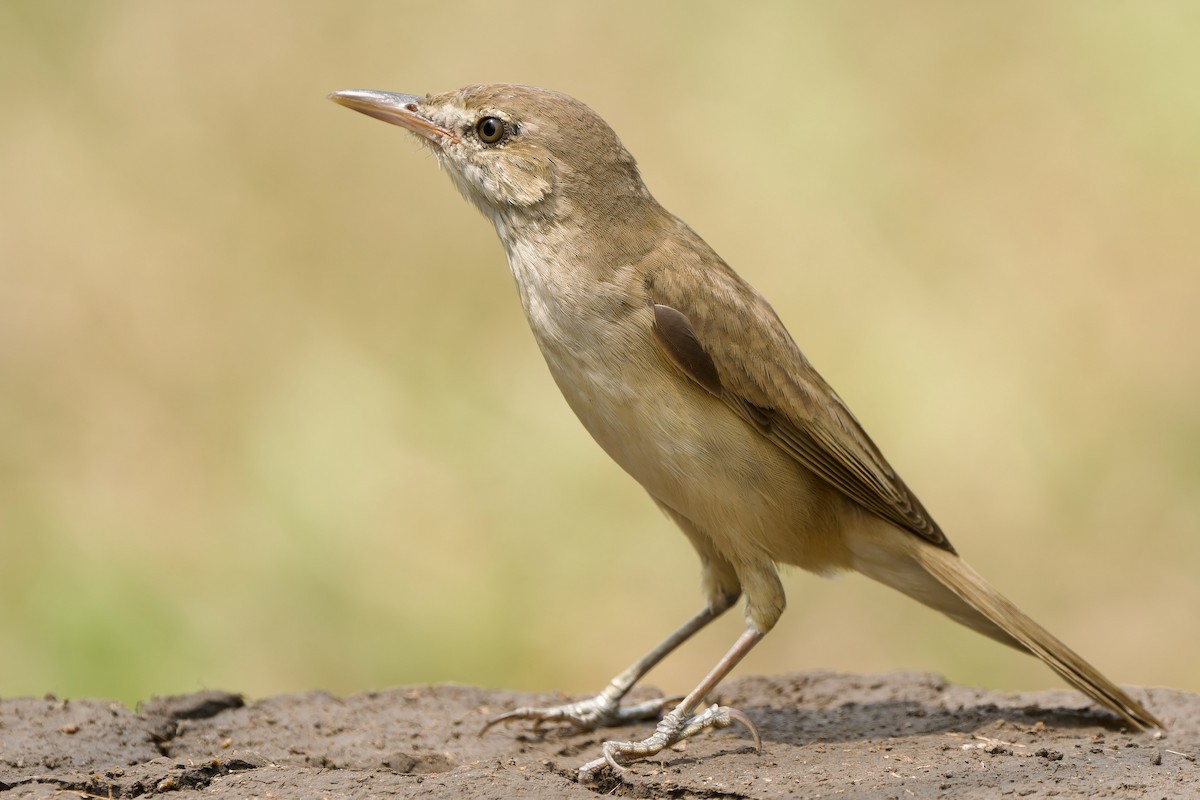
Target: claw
<point>611,759</point>
<point>589,770</point>
<point>517,713</point>
<point>740,717</point>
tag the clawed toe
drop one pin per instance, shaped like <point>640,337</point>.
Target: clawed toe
<point>673,728</point>
<point>585,715</point>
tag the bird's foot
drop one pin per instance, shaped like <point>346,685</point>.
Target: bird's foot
<point>674,727</point>
<point>600,711</point>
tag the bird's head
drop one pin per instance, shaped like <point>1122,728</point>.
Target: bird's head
<point>514,149</point>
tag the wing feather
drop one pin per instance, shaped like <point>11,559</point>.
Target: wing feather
<point>731,343</point>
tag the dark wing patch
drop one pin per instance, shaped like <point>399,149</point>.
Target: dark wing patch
<point>674,333</point>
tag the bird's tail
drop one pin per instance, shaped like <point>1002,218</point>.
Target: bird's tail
<point>942,580</point>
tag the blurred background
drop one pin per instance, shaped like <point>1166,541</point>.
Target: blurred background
<point>271,418</point>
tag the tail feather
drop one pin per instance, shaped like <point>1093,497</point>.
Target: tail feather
<point>973,602</point>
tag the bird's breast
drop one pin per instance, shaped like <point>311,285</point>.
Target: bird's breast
<point>594,332</point>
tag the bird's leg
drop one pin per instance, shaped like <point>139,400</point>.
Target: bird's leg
<point>681,723</point>
<point>605,709</point>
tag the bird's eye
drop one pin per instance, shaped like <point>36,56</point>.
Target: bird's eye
<point>490,130</point>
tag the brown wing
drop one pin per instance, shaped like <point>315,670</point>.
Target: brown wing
<point>730,342</point>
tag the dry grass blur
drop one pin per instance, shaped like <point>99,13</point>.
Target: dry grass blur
<point>270,417</point>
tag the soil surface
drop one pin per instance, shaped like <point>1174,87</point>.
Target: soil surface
<point>824,735</point>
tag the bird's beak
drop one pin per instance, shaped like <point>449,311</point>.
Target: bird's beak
<point>398,109</point>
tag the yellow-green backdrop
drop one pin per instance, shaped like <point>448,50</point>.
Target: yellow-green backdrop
<point>271,419</point>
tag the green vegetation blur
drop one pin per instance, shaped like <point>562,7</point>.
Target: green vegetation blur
<point>271,418</point>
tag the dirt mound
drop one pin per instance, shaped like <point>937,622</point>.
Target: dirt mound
<point>898,735</point>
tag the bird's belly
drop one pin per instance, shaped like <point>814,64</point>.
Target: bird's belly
<point>692,453</point>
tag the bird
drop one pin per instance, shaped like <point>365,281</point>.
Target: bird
<point>686,377</point>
